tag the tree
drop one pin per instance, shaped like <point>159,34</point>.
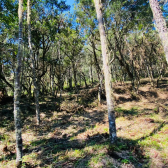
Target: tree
<point>86,12</point>
<point>8,19</point>
<point>36,91</point>
<point>160,25</point>
<point>107,75</point>
<point>17,90</point>
<point>73,45</point>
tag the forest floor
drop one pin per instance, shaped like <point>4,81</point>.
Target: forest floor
<point>76,135</point>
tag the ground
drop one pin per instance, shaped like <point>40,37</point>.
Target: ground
<point>76,133</point>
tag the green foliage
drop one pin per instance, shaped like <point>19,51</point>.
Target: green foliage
<point>4,138</point>
<point>126,161</point>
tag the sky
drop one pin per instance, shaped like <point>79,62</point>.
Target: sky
<point>70,2</point>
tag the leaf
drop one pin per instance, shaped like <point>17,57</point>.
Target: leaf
<point>140,26</point>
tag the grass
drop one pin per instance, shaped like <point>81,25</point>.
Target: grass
<point>80,139</point>
<point>158,142</point>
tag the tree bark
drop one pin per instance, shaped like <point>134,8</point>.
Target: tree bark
<point>99,74</point>
<point>52,79</point>
<point>91,72</point>
<point>160,25</point>
<point>36,91</point>
<point>84,78</point>
<point>70,79</point>
<point>17,89</point>
<point>75,77</point>
<point>4,79</point>
<point>107,75</point>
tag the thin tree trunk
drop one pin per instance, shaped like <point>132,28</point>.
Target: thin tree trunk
<point>91,71</point>
<point>2,77</point>
<point>70,79</point>
<point>60,76</point>
<point>75,77</point>
<point>91,74</point>
<point>160,25</point>
<point>96,61</point>
<point>17,89</point>
<point>107,75</point>
<point>84,78</point>
<point>52,79</point>
<point>36,91</point>
<point>99,74</point>
<point>150,75</point>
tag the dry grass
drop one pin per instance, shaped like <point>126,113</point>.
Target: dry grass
<point>79,138</point>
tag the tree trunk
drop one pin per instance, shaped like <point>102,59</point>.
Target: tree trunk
<point>75,77</point>
<point>36,91</point>
<point>91,71</point>
<point>98,69</point>
<point>107,75</point>
<point>2,77</point>
<point>52,80</point>
<point>160,25</point>
<point>99,74</point>
<point>17,89</point>
<point>70,79</point>
<point>84,78</point>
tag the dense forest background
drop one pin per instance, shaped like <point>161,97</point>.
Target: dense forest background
<point>54,77</point>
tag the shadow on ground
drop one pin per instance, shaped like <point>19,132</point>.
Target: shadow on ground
<point>57,148</point>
